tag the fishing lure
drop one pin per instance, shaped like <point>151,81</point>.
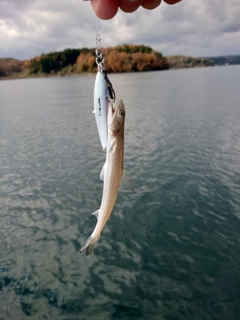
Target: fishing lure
<point>104,95</point>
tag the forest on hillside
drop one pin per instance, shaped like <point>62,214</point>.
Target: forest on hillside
<point>125,58</point>
<point>122,58</point>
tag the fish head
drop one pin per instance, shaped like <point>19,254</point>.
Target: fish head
<point>116,118</point>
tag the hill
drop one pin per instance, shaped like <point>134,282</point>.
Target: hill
<point>10,67</point>
<point>125,58</point>
<point>177,62</point>
<point>225,60</point>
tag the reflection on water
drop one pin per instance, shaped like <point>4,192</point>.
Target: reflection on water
<point>170,251</point>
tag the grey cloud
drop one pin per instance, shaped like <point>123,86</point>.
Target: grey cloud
<point>192,28</point>
<point>31,27</point>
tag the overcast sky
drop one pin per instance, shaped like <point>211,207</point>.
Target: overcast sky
<point>192,27</point>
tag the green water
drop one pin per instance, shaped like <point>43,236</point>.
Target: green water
<point>169,252</point>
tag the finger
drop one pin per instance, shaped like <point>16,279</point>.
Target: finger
<point>150,4</point>
<point>105,9</point>
<point>172,1</point>
<point>129,5</point>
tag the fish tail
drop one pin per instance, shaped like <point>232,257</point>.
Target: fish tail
<point>89,244</point>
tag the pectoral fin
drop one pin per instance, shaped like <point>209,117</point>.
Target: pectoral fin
<point>126,183</point>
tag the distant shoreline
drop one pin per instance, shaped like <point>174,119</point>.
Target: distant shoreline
<point>119,59</point>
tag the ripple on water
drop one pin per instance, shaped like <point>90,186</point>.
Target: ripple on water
<point>171,250</point>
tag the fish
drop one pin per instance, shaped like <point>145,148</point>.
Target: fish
<point>112,173</point>
<point>103,95</point>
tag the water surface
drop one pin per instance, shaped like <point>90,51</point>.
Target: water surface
<point>170,251</point>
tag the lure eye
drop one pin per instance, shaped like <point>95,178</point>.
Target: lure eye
<point>121,113</point>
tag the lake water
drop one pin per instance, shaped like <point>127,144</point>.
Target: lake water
<point>170,251</point>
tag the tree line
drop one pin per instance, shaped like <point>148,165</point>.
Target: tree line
<point>178,62</point>
<point>124,58</point>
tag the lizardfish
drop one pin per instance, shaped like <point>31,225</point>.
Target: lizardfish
<point>112,173</point>
<point>103,96</point>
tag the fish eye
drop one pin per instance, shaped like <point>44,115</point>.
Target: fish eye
<point>121,113</point>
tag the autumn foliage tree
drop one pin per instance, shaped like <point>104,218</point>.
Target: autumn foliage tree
<point>129,58</point>
<point>86,62</point>
<point>9,66</point>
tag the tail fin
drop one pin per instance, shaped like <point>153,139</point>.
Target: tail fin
<point>89,244</point>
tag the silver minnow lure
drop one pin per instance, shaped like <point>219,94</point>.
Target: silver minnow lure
<point>103,96</point>
<point>112,173</point>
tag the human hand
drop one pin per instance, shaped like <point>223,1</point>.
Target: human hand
<point>107,9</point>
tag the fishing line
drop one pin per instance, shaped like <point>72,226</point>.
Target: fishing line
<point>96,20</point>
<point>99,56</point>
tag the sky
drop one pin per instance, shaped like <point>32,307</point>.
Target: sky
<point>198,28</point>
